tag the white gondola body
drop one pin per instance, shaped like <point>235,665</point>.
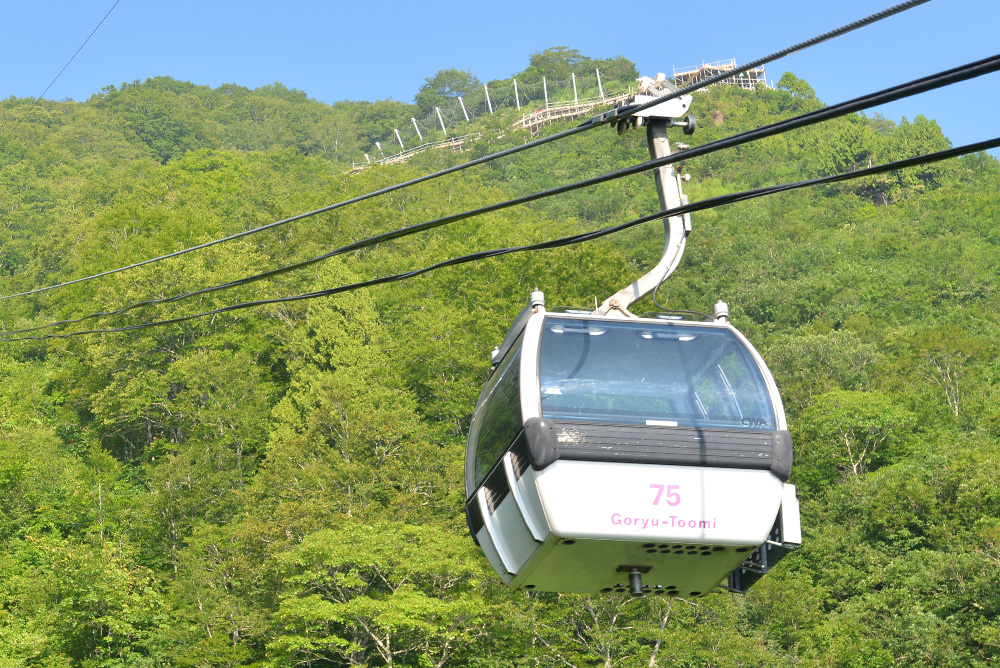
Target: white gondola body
<point>580,522</point>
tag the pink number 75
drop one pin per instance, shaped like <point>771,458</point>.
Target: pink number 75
<point>673,496</point>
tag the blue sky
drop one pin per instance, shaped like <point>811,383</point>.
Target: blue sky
<point>375,50</point>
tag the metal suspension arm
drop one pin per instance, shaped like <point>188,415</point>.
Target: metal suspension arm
<point>668,186</point>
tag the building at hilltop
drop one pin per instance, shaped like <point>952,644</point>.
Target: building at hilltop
<point>750,79</point>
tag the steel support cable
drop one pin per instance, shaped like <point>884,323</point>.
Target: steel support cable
<point>597,121</point>
<point>76,53</point>
<point>924,84</point>
<point>716,78</point>
<point>545,245</point>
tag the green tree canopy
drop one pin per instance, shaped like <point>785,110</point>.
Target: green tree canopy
<point>796,86</point>
<point>446,87</point>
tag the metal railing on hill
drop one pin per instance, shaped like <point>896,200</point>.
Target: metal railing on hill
<point>451,142</point>
<point>489,101</point>
<point>455,143</point>
<point>561,111</point>
<point>550,113</point>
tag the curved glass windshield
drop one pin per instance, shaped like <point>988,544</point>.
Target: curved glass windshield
<point>664,374</point>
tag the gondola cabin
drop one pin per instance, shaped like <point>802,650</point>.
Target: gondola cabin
<point>629,454</point>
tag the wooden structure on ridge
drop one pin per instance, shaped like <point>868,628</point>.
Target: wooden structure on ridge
<point>749,80</point>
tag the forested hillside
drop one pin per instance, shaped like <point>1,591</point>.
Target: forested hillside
<point>282,486</point>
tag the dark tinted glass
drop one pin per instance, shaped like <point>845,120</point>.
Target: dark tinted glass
<point>497,421</point>
<point>650,373</point>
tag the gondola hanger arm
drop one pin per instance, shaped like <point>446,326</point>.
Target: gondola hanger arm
<point>657,120</point>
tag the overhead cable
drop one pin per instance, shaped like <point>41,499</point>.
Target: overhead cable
<point>618,114</point>
<point>597,121</point>
<point>555,243</point>
<point>873,99</point>
<point>890,94</point>
<point>76,53</point>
